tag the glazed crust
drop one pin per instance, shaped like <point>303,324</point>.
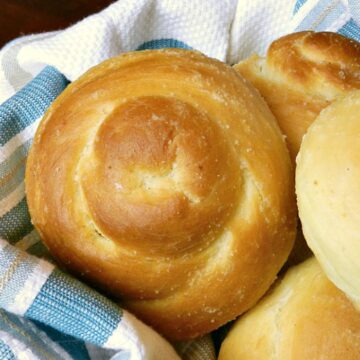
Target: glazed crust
<point>162,178</point>
<point>302,74</point>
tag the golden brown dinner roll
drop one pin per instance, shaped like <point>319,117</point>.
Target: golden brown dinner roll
<point>301,74</point>
<point>305,317</point>
<point>162,177</point>
<point>328,191</point>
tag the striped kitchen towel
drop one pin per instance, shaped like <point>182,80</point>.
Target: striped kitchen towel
<point>44,313</point>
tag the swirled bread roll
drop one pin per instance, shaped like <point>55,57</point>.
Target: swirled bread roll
<point>162,178</point>
<point>328,192</point>
<point>304,317</point>
<point>302,74</point>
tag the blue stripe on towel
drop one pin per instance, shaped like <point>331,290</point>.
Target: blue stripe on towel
<point>298,5</point>
<point>74,347</point>
<point>15,224</point>
<point>30,102</point>
<point>68,306</point>
<point>5,352</point>
<point>163,43</point>
<point>351,29</point>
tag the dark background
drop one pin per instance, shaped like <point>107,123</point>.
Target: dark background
<point>21,17</point>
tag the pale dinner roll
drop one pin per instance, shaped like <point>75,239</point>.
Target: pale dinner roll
<point>328,192</point>
<point>305,317</point>
<point>301,74</point>
<point>162,178</point>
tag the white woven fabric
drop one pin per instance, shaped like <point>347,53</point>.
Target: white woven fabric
<point>228,30</point>
<point>125,25</point>
<point>256,24</point>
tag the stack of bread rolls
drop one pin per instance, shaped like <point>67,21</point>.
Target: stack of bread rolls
<point>311,81</point>
<point>164,179</point>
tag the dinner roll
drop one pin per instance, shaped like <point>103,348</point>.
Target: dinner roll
<point>162,178</point>
<point>328,192</point>
<point>301,74</point>
<point>305,317</point>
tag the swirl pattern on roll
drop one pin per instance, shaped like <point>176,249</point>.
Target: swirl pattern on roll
<point>162,178</point>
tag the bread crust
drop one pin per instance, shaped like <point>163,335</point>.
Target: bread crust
<point>304,317</point>
<point>302,74</point>
<point>162,178</point>
<point>328,193</point>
